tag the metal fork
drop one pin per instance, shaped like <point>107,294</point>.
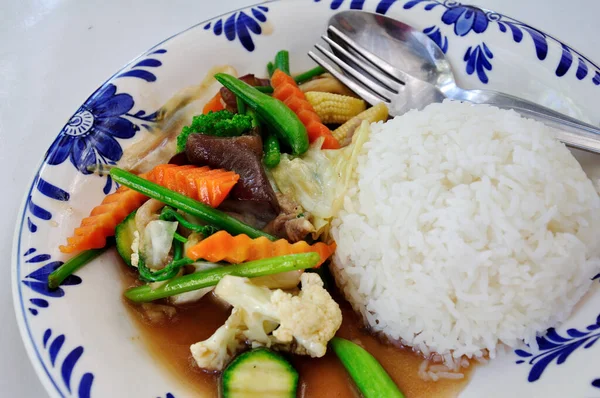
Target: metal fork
<point>375,80</point>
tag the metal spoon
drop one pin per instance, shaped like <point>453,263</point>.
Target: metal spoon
<point>410,52</point>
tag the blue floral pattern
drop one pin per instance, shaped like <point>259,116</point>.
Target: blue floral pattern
<point>49,190</point>
<point>38,280</point>
<point>466,19</point>
<point>54,347</point>
<point>89,138</point>
<point>137,70</point>
<point>240,25</point>
<point>354,4</point>
<point>478,60</point>
<point>553,346</point>
<point>436,35</point>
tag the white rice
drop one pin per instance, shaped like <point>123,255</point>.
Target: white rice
<point>468,227</point>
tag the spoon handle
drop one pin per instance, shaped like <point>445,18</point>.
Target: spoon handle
<point>571,131</point>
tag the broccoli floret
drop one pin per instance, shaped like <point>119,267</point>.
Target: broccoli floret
<point>220,124</point>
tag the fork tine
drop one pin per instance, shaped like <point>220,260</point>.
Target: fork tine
<point>352,85</point>
<point>369,56</point>
<point>364,80</point>
<point>381,77</point>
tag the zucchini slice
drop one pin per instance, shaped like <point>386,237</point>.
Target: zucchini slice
<point>259,373</point>
<point>124,237</point>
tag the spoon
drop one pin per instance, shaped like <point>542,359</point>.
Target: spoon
<point>405,53</point>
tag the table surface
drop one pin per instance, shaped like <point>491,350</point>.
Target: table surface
<point>54,53</point>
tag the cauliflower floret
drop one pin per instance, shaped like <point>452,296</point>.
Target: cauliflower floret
<point>311,318</point>
<point>301,324</point>
<point>216,352</point>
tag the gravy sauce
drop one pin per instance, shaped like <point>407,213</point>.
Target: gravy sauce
<point>325,377</point>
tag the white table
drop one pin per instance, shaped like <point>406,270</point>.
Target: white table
<point>54,53</point>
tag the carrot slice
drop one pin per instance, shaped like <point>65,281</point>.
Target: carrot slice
<point>214,105</point>
<point>201,183</point>
<point>222,246</point>
<point>286,90</point>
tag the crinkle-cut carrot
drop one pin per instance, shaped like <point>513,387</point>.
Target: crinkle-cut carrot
<point>222,246</point>
<point>286,90</point>
<point>103,219</point>
<point>201,183</point>
<point>209,186</point>
<point>215,104</point>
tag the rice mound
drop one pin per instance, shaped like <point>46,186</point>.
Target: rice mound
<point>468,227</point>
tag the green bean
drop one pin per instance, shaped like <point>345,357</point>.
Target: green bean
<point>274,113</point>
<point>211,277</point>
<point>370,377</point>
<point>73,264</point>
<point>264,89</point>
<point>301,78</point>
<point>206,213</point>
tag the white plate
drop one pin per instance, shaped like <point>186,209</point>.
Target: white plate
<point>80,337</point>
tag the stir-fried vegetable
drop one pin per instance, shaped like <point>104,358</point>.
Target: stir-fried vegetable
<point>210,186</point>
<point>344,133</point>
<point>370,377</point>
<point>125,234</point>
<point>300,324</point>
<point>309,74</point>
<point>319,179</point>
<point>302,78</point>
<point>169,271</point>
<point>287,91</point>
<point>73,264</point>
<point>186,204</point>
<point>169,214</point>
<point>272,151</point>
<point>259,373</point>
<point>274,113</point>
<point>211,277</point>
<point>335,108</point>
<point>220,124</point>
<point>282,62</point>
<point>102,220</point>
<point>214,105</point>
<point>234,249</point>
<point>270,68</point>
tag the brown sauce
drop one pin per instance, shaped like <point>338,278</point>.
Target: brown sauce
<point>323,377</point>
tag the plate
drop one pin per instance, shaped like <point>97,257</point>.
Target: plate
<point>80,337</point>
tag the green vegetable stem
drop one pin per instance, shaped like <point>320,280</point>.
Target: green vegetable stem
<point>370,377</point>
<point>270,69</point>
<point>72,265</point>
<point>309,74</point>
<point>175,199</point>
<point>282,61</point>
<point>301,78</point>
<point>274,113</point>
<point>211,277</point>
<point>168,214</point>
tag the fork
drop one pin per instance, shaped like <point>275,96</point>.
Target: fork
<point>375,80</point>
